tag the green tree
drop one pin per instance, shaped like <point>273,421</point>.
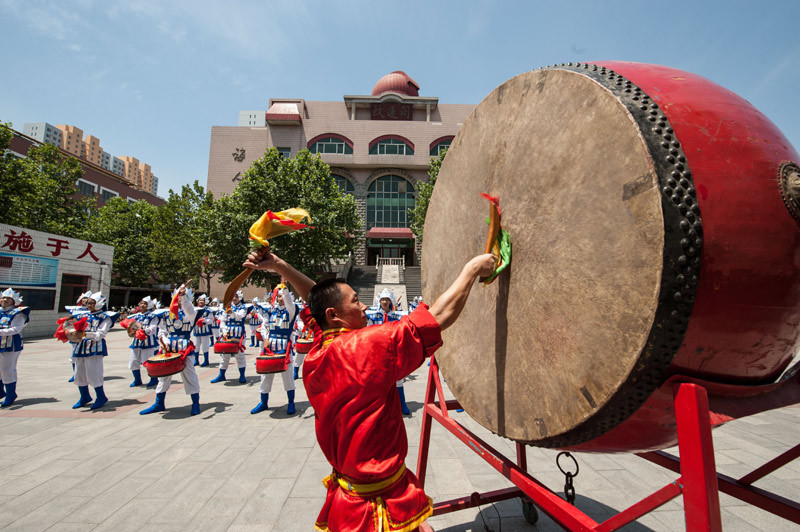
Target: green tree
<point>277,183</point>
<point>129,228</point>
<point>39,191</point>
<point>424,191</point>
<point>180,239</point>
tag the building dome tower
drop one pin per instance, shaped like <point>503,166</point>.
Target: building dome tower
<point>399,82</point>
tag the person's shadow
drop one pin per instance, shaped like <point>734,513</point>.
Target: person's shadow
<point>112,405</point>
<point>510,515</point>
<point>279,412</point>
<point>30,401</point>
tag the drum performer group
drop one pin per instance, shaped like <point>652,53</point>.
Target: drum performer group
<point>353,373</point>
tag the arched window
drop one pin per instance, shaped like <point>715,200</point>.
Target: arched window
<point>388,199</point>
<point>344,184</point>
<point>391,145</point>
<point>330,143</point>
<point>440,144</point>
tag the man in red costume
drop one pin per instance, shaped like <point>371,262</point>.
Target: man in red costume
<point>350,375</point>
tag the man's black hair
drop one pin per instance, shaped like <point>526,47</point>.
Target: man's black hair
<point>324,295</point>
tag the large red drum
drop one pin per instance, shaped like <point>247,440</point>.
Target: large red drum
<point>654,222</point>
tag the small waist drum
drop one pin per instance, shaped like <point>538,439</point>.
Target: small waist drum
<point>271,363</point>
<point>303,346</point>
<point>227,346</point>
<point>165,364</point>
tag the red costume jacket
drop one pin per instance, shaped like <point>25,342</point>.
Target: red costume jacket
<point>350,379</point>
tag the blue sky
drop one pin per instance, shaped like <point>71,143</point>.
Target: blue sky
<point>150,77</point>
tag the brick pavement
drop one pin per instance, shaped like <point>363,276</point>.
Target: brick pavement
<point>226,469</point>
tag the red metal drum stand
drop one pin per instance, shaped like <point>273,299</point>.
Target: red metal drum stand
<point>699,482</point>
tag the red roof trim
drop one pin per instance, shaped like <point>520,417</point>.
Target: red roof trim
<point>275,116</point>
<point>441,139</point>
<point>387,137</point>
<point>330,135</point>
<point>390,232</point>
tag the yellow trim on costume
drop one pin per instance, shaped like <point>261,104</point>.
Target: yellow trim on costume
<point>380,515</point>
<point>382,520</point>
<point>329,335</point>
<point>364,489</point>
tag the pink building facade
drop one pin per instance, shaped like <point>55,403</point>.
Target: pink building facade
<point>377,145</point>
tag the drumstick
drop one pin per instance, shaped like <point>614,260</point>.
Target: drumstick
<point>494,230</point>
<point>237,283</point>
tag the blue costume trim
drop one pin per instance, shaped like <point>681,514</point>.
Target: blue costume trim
<point>88,347</point>
<point>280,329</point>
<point>14,342</point>
<point>179,331</point>
<point>145,318</point>
<point>208,316</point>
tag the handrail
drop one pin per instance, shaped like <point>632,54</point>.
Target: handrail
<point>390,261</point>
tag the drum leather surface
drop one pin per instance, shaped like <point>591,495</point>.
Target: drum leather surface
<point>541,350</point>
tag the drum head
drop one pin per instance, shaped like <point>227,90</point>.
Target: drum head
<point>553,352</point>
<point>163,357</point>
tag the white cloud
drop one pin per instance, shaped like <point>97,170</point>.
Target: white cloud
<point>75,47</point>
<point>780,68</point>
<point>53,19</point>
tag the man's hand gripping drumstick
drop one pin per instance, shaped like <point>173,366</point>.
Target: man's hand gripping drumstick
<point>263,259</point>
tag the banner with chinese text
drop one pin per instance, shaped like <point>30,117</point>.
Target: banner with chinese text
<point>20,270</point>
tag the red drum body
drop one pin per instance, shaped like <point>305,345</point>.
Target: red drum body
<point>743,326</point>
<point>269,362</point>
<point>259,337</point>
<point>164,365</point>
<point>228,346</point>
<point>654,221</point>
<point>303,346</point>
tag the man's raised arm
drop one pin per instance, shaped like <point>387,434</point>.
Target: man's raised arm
<point>449,305</point>
<point>262,259</point>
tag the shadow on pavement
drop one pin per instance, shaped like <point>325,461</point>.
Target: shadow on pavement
<point>28,401</point>
<point>508,515</point>
<point>279,411</point>
<point>112,405</point>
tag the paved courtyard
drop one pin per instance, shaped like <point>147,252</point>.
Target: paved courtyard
<point>64,469</point>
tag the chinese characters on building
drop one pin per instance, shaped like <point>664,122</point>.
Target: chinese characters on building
<point>391,111</point>
<point>24,242</point>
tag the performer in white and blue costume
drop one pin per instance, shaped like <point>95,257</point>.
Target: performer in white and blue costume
<point>78,311</point>
<point>254,319</point>
<point>89,352</point>
<point>276,330</point>
<point>217,310</point>
<point>174,335</point>
<point>13,319</point>
<point>142,349</point>
<point>299,329</point>
<point>232,327</point>
<point>202,329</point>
<point>386,311</point>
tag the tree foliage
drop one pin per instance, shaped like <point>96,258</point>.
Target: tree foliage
<point>277,183</point>
<point>424,191</point>
<point>180,238</point>
<point>39,191</point>
<point>129,228</point>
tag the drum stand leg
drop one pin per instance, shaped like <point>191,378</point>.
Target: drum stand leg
<point>697,483</point>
